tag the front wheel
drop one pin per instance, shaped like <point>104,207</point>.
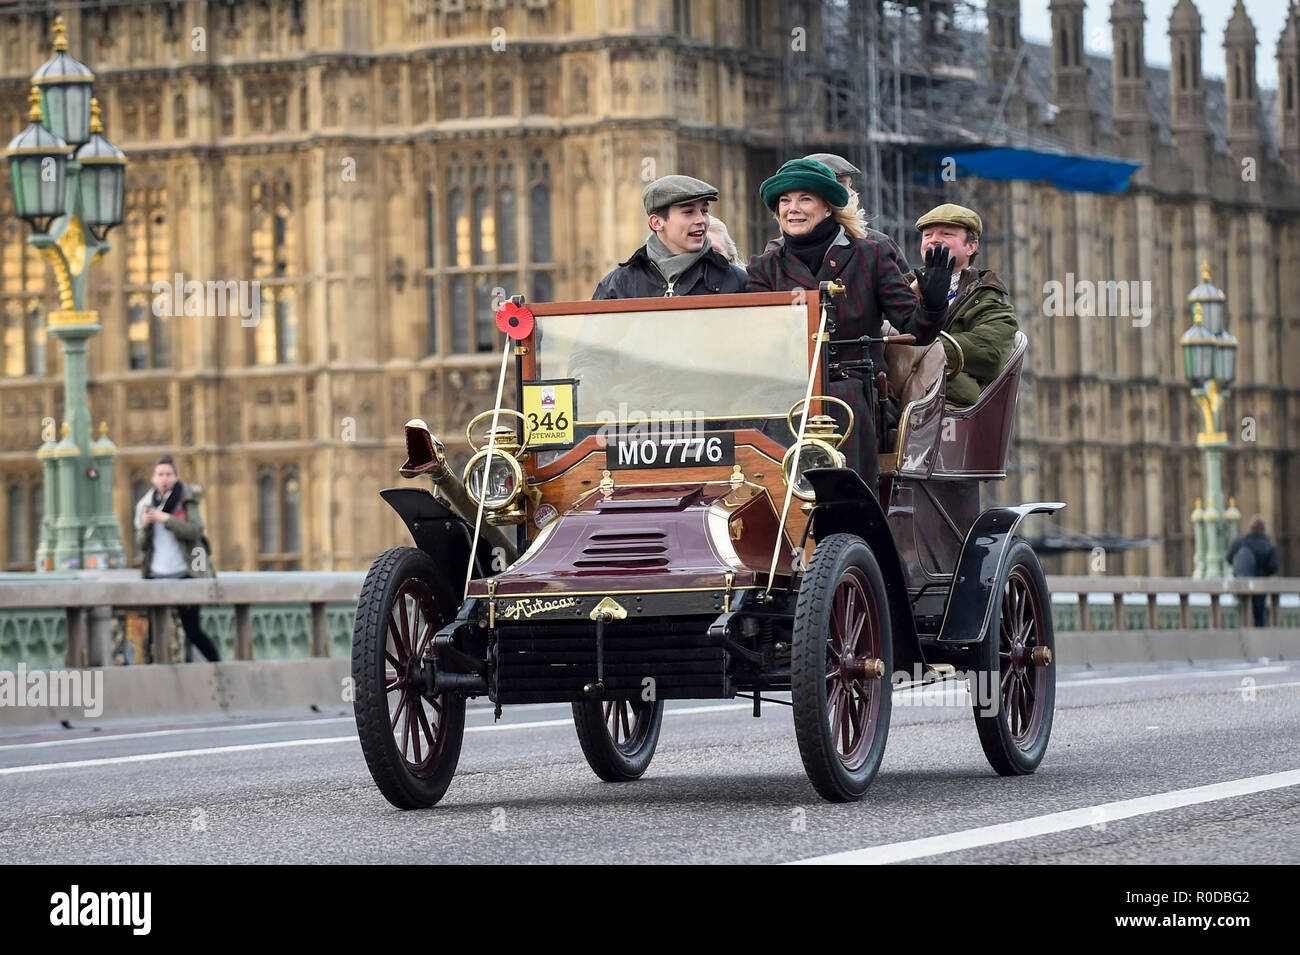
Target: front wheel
<point>1016,692</point>
<point>411,743</point>
<point>841,660</point>
<point>618,737</point>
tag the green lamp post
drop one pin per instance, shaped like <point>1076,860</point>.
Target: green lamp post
<point>68,183</point>
<point>1210,365</point>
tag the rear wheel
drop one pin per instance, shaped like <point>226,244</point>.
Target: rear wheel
<point>618,737</point>
<point>411,744</point>
<point>1016,693</point>
<point>841,660</point>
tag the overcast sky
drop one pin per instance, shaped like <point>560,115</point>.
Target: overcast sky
<point>1267,15</point>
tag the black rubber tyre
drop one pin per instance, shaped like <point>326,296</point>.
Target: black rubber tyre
<point>618,737</point>
<point>842,658</point>
<point>1014,720</point>
<point>404,601</point>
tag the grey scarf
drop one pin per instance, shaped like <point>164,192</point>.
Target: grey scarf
<point>670,264</point>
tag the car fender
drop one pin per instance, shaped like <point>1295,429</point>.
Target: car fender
<point>438,531</point>
<point>979,569</point>
<point>845,505</point>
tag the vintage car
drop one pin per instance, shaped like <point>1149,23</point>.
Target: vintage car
<point>665,514</point>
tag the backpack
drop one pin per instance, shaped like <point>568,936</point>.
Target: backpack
<point>1243,564</point>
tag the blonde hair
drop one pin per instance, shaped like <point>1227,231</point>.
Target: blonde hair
<point>852,217</point>
<point>728,244</point>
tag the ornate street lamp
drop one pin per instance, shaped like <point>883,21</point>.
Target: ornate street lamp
<point>102,180</point>
<point>65,85</point>
<point>38,170</point>
<point>1210,364</point>
<point>71,201</point>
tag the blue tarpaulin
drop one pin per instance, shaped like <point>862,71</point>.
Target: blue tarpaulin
<point>1073,173</point>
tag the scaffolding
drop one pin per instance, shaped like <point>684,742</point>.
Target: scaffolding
<point>901,80</point>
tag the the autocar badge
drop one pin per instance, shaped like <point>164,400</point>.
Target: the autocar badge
<point>544,515</point>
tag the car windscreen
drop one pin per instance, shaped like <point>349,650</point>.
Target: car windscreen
<point>738,366</point>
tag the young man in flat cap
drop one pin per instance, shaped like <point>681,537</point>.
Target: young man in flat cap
<point>678,258</point>
<point>980,316</point>
<point>844,172</point>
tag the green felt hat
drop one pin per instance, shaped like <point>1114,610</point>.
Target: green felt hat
<point>806,175</point>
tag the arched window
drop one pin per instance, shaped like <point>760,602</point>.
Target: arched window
<point>1182,69</point>
<point>290,513</point>
<point>539,212</point>
<point>268,516</point>
<point>537,94</point>
<point>1236,80</point>
<point>458,247</point>
<point>506,231</point>
<point>503,96</point>
<point>483,228</point>
<point>1123,57</point>
<point>430,257</point>
<point>459,307</point>
<point>1063,46</point>
<point>149,318</point>
<point>274,243</point>
<point>22,282</point>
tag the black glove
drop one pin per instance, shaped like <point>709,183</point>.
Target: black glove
<point>934,280</point>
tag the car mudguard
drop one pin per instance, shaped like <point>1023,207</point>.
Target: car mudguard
<point>979,567</point>
<point>438,531</point>
<point>845,505</point>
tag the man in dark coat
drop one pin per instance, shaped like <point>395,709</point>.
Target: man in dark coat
<point>818,247</point>
<point>678,257</point>
<point>1253,555</point>
<point>981,319</point>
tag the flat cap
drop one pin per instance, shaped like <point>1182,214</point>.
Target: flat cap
<point>670,190</point>
<point>952,214</point>
<point>837,164</point>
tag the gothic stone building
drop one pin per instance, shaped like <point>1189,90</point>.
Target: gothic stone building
<point>381,168</point>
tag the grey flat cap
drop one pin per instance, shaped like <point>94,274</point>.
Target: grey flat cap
<point>670,190</point>
<point>838,164</point>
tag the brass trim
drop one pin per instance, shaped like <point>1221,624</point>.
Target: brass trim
<point>840,439</point>
<point>625,593</point>
<point>63,317</point>
<point>835,454</point>
<point>961,357</point>
<point>469,437</point>
<point>515,466</point>
<point>608,606</point>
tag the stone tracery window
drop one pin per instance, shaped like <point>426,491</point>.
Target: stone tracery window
<point>149,316</point>
<point>22,312</point>
<point>490,243</point>
<point>276,271</point>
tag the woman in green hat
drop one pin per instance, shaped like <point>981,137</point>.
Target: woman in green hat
<point>824,242</point>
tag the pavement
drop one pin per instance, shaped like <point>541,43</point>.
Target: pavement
<point>1148,763</point>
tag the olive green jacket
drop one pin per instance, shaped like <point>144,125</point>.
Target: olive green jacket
<point>186,524</point>
<point>983,322</point>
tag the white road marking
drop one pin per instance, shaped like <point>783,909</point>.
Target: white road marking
<point>1147,677</point>
<point>319,741</point>
<point>1056,822</point>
